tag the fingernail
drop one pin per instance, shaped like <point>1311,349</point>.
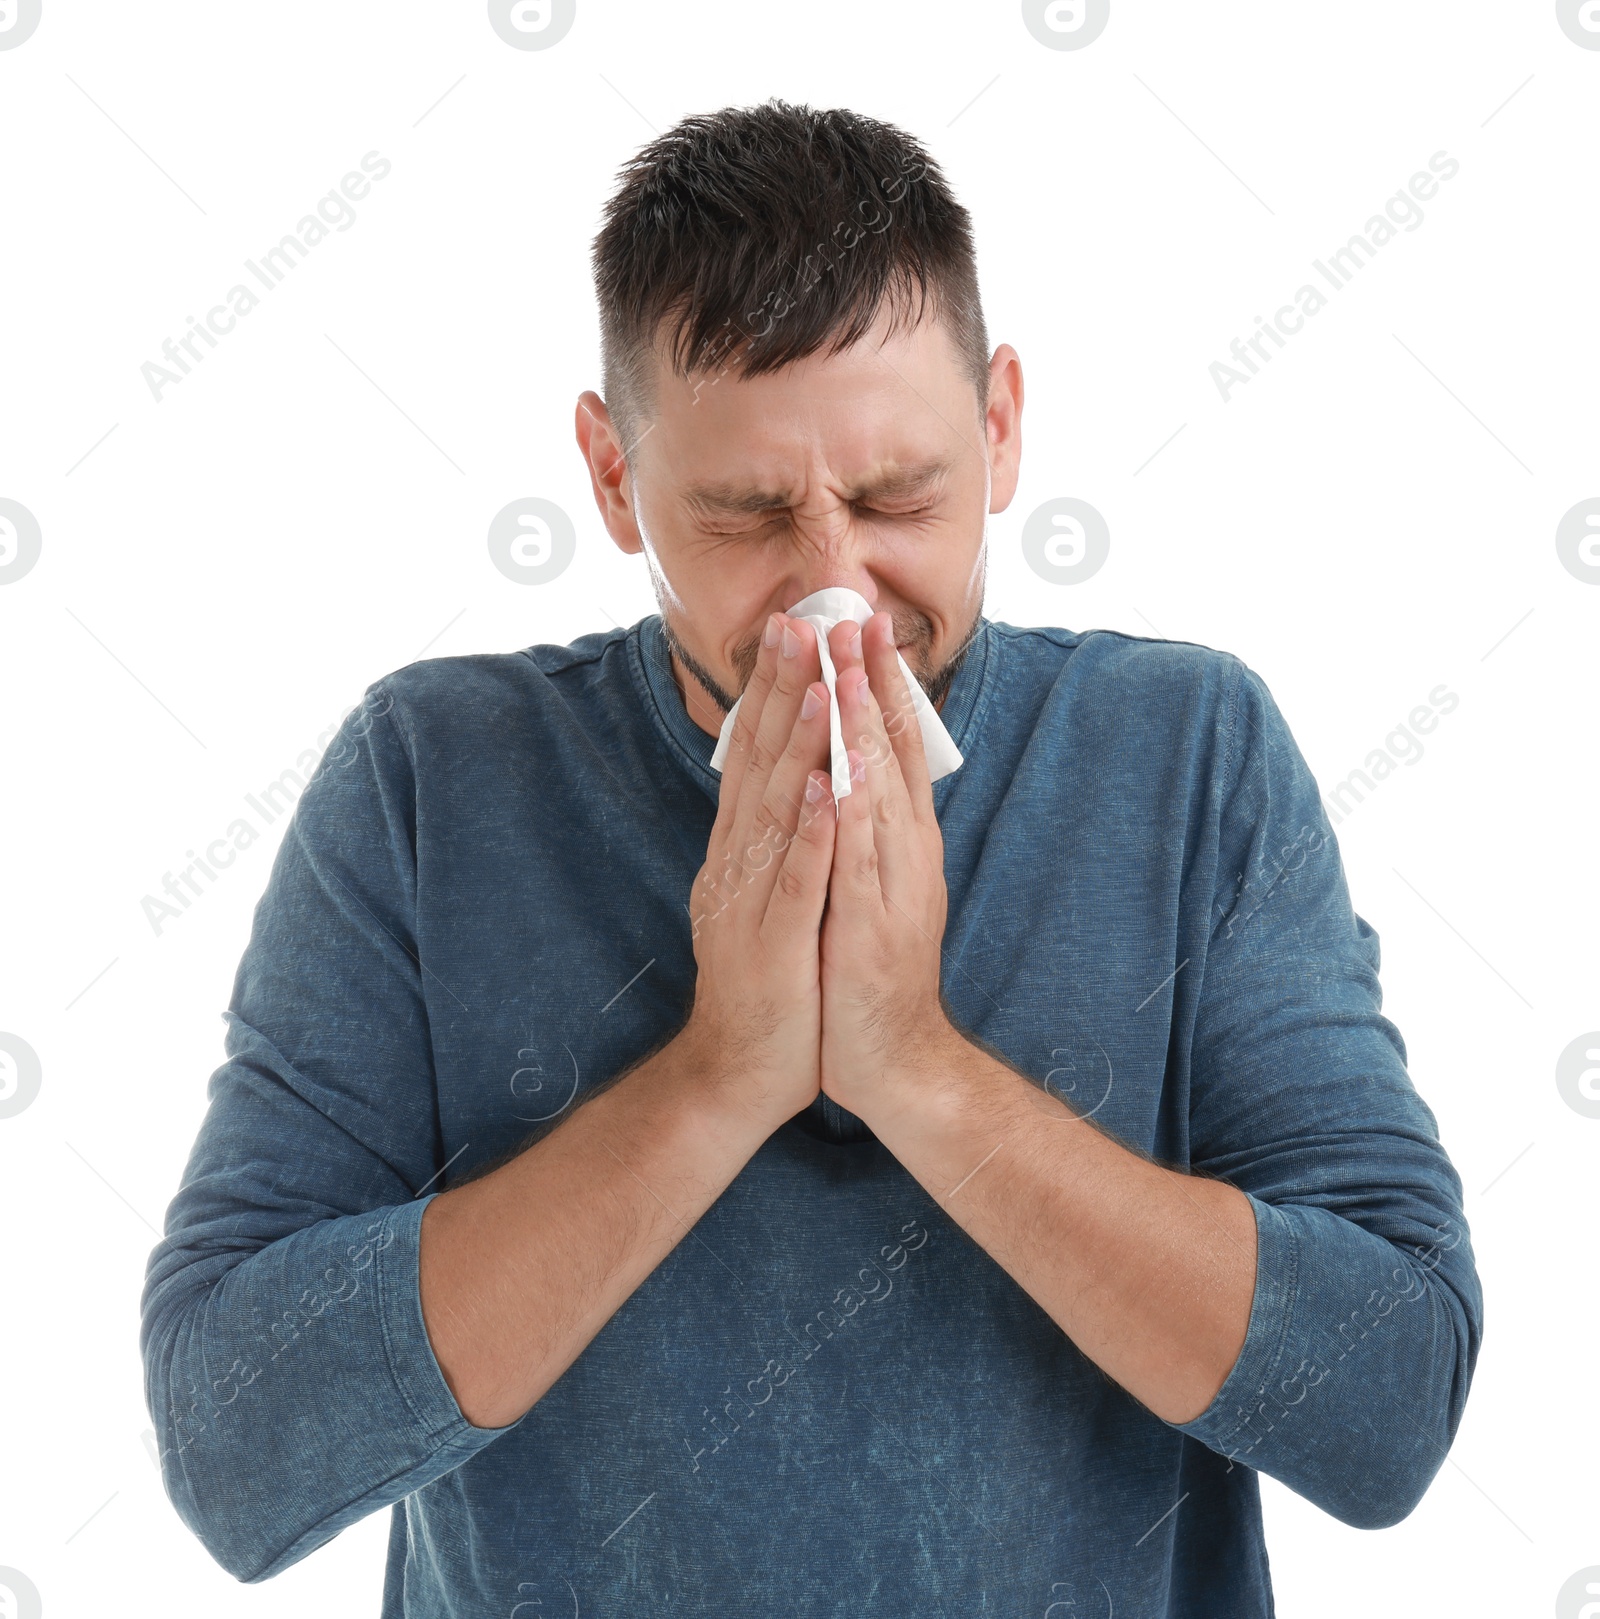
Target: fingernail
<point>769,636</point>
<point>791,642</point>
<point>854,638</point>
<point>811,704</point>
<point>813,789</point>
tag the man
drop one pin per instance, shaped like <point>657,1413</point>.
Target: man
<point>690,1191</point>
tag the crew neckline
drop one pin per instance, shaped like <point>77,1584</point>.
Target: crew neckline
<point>651,663</point>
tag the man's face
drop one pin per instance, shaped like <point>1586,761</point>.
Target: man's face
<point>869,468</point>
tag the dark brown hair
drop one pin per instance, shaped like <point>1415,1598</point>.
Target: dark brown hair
<point>759,234</point>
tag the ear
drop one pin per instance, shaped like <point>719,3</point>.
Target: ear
<point>609,474</point>
<point>1003,426</point>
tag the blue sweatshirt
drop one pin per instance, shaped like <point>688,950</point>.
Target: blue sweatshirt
<point>829,1400</point>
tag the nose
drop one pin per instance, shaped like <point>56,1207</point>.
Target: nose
<point>831,549</point>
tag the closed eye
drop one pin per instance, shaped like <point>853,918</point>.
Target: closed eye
<point>876,511</point>
<point>766,529</point>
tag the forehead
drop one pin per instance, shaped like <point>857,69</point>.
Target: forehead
<point>885,417</point>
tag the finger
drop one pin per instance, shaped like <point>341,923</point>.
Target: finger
<point>794,665</point>
<point>896,705</point>
<point>736,760</point>
<point>844,643</point>
<point>892,820</point>
<point>774,826</point>
<point>871,646</point>
<point>794,911</point>
<point>854,881</point>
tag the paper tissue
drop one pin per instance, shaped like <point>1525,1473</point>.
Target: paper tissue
<point>822,609</point>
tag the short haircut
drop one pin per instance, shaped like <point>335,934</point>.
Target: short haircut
<point>760,234</point>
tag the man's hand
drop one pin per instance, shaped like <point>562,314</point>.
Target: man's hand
<point>1150,1271</point>
<point>758,899</point>
<point>884,928</point>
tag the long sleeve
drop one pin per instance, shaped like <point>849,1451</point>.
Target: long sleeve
<point>287,1367</point>
<point>1368,1313</point>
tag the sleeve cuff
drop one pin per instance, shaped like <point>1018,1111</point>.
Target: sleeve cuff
<point>412,1362</point>
<point>1224,1425</point>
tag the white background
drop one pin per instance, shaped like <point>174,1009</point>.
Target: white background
<point>224,574</point>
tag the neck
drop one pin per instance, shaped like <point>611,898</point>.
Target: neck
<point>698,704</point>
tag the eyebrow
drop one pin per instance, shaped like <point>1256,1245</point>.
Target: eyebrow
<point>894,484</point>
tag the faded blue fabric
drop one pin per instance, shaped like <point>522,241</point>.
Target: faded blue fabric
<point>828,1399</point>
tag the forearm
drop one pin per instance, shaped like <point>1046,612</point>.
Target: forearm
<point>1149,1271</point>
<point>521,1268</point>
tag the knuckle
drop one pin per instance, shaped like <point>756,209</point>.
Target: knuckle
<point>791,883</point>
<point>878,752</point>
<point>897,721</point>
<point>767,828</point>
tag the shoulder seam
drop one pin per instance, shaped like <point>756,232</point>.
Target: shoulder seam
<point>617,637</point>
<point>1233,718</point>
<point>406,743</point>
<point>1163,640</point>
<point>1049,631</point>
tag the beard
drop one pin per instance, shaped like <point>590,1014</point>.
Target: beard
<point>913,633</point>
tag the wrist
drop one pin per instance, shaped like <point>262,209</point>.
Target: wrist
<point>927,1079</point>
<point>716,1088</point>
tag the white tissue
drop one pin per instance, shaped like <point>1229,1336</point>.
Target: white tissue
<point>822,609</point>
